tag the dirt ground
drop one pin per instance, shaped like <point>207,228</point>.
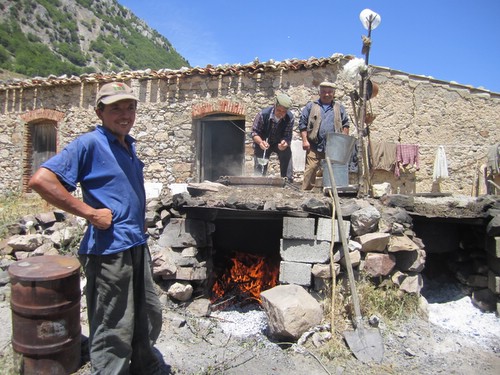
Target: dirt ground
<point>416,347</point>
<point>192,345</point>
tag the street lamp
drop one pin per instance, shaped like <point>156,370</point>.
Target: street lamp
<point>370,21</point>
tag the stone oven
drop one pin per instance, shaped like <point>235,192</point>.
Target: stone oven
<point>395,238</point>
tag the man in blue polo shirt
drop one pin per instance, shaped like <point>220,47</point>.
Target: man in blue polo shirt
<point>123,308</point>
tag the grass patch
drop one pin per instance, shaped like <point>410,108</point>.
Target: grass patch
<point>385,301</point>
<point>13,207</point>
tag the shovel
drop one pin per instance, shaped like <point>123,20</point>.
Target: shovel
<point>365,343</point>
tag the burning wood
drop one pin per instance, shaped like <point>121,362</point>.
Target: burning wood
<point>246,276</point>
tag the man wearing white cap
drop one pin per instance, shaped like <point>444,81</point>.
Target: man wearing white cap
<point>317,119</point>
<point>272,132</point>
<point>123,309</point>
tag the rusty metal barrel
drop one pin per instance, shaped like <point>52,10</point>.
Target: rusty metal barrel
<point>45,304</point>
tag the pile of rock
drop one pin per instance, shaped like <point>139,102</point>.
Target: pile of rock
<point>383,245</point>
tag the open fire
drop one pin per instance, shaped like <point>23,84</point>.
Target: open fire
<point>244,278</point>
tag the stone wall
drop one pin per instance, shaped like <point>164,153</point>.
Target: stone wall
<point>409,109</point>
<point>417,110</point>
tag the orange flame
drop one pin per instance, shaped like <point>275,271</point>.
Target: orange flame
<point>248,275</point>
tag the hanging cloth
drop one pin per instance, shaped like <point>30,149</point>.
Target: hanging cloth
<point>383,155</point>
<point>494,159</point>
<point>406,155</point>
<point>440,165</point>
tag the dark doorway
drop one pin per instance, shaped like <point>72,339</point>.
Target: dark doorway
<point>455,250</point>
<point>43,140</point>
<point>222,147</point>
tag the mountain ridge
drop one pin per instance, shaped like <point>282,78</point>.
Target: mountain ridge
<point>73,37</point>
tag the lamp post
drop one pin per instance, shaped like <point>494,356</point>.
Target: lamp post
<point>370,21</point>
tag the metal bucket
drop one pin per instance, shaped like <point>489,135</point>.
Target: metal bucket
<point>339,147</point>
<point>45,303</point>
<point>340,174</point>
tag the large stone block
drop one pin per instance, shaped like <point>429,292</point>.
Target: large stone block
<point>354,257</point>
<point>376,264</point>
<point>376,241</point>
<point>410,283</point>
<point>184,233</point>
<point>324,271</point>
<point>401,243</point>
<point>189,273</point>
<point>291,311</point>
<point>413,261</point>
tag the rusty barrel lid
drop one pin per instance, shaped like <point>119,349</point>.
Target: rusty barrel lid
<point>45,267</point>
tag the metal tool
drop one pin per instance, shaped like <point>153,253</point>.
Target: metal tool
<point>263,161</point>
<point>365,343</point>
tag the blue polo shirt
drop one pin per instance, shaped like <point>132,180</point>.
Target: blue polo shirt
<point>111,177</point>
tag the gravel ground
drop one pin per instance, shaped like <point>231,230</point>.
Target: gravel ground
<point>456,338</point>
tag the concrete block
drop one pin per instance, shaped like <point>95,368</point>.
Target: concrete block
<point>298,228</point>
<point>305,251</point>
<point>324,231</point>
<point>295,273</point>
<point>493,246</point>
<point>493,263</point>
<point>494,282</point>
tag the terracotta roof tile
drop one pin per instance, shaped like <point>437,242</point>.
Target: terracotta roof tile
<point>251,68</point>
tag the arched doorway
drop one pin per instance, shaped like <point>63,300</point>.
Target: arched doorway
<point>221,146</point>
<point>40,140</point>
<point>43,142</point>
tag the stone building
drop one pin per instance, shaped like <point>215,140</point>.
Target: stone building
<point>194,124</point>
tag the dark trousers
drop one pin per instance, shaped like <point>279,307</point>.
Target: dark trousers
<point>124,312</point>
<point>285,158</point>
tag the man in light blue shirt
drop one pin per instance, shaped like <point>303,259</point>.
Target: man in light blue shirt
<point>317,119</point>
